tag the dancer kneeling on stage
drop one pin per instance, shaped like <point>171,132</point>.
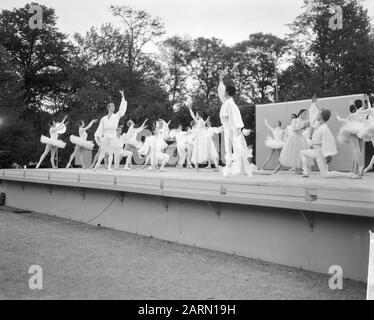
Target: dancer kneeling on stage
<point>324,148</point>
<point>53,143</point>
<point>81,143</point>
<point>106,133</point>
<point>119,152</point>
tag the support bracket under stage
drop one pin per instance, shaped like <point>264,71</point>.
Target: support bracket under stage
<point>164,201</point>
<point>122,196</point>
<point>309,219</point>
<point>216,206</point>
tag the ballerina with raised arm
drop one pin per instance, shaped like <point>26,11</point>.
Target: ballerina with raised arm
<point>81,142</point>
<point>203,147</point>
<point>274,143</point>
<point>53,143</point>
<point>107,131</point>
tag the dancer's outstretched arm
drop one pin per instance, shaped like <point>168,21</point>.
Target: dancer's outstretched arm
<point>123,106</point>
<point>90,125</point>
<point>268,125</point>
<point>191,113</point>
<point>221,88</point>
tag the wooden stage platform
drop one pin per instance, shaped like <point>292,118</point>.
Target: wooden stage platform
<point>308,223</point>
<point>284,190</point>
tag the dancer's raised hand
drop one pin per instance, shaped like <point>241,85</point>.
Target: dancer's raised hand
<point>314,99</point>
<point>122,93</point>
<point>221,76</point>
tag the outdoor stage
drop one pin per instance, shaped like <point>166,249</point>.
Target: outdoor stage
<point>309,223</point>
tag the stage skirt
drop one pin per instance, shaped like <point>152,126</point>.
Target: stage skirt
<point>349,129</point>
<point>78,141</point>
<point>53,142</point>
<point>271,143</point>
<point>290,154</point>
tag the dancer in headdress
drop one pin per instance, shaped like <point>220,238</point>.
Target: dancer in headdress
<point>106,132</point>
<point>231,120</point>
<point>274,143</point>
<point>120,152</point>
<point>81,142</point>
<point>203,146</point>
<point>295,143</point>
<point>53,143</point>
<point>324,148</point>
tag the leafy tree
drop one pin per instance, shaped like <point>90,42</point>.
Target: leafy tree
<point>341,59</point>
<point>140,29</point>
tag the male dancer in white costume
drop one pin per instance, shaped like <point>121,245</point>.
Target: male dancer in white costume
<point>231,120</point>
<point>324,148</point>
<point>106,132</point>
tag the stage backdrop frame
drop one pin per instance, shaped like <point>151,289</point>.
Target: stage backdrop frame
<point>282,111</point>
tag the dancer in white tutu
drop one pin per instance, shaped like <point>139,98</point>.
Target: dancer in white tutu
<point>53,143</point>
<point>81,142</point>
<point>274,143</point>
<point>120,152</point>
<point>106,132</point>
<point>348,134</point>
<point>204,149</point>
<point>154,147</point>
<point>324,148</point>
<point>181,139</point>
<point>295,143</point>
<point>132,143</point>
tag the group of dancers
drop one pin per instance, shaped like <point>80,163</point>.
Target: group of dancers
<point>308,139</point>
<point>305,141</point>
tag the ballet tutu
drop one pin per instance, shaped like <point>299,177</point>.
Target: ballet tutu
<point>52,142</point>
<point>290,154</point>
<point>133,144</point>
<point>78,141</point>
<point>271,143</point>
<point>349,129</point>
<point>367,132</point>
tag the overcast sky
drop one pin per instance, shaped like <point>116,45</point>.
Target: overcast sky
<point>230,20</point>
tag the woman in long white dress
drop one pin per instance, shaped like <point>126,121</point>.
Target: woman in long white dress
<point>212,131</point>
<point>81,142</point>
<point>52,143</point>
<point>295,143</point>
<point>203,147</point>
<point>274,143</point>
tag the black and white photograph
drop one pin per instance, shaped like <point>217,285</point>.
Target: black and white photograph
<point>189,155</point>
